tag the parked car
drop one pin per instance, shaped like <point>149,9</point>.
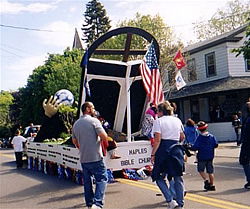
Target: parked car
<point>6,143</point>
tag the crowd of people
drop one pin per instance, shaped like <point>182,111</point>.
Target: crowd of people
<point>170,142</point>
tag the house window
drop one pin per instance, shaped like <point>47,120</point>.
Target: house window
<point>210,64</point>
<point>247,61</point>
<point>191,67</point>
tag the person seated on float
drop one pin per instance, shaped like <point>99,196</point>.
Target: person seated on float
<point>112,145</point>
<point>147,124</point>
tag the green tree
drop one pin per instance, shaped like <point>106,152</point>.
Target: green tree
<point>155,25</point>
<point>245,49</point>
<point>235,14</point>
<point>58,72</point>
<point>96,21</point>
<point>6,100</point>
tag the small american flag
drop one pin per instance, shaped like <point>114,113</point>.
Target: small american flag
<point>151,76</point>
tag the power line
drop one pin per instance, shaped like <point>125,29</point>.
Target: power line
<point>11,53</point>
<point>24,28</point>
<point>181,25</point>
<point>222,18</point>
<point>14,48</point>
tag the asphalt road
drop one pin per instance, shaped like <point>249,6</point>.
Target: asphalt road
<point>30,189</point>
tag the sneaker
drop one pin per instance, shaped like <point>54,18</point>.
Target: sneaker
<point>211,188</point>
<point>247,185</point>
<point>173,204</point>
<point>95,207</point>
<point>206,185</point>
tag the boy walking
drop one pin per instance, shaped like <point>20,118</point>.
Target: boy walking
<point>205,145</point>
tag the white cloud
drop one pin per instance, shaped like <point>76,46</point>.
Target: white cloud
<point>178,14</point>
<point>15,8</point>
<point>72,9</point>
<point>16,75</point>
<point>62,38</point>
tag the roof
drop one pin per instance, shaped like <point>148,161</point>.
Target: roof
<point>225,37</point>
<point>225,84</point>
<point>77,41</point>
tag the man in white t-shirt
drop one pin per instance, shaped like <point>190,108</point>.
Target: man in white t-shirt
<point>17,143</point>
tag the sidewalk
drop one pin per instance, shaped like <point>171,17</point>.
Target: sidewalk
<point>228,149</point>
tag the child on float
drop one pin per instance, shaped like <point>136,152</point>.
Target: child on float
<point>112,145</point>
<point>147,123</point>
<point>205,144</point>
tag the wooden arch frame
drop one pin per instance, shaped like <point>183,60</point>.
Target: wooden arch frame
<point>127,51</point>
<point>93,49</point>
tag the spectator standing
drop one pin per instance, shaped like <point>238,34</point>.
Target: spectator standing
<point>167,155</point>
<point>18,145</point>
<point>239,113</point>
<point>219,113</point>
<point>191,133</point>
<point>87,134</point>
<point>236,123</point>
<point>245,147</point>
<point>205,144</point>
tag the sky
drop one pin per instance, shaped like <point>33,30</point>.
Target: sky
<point>22,50</point>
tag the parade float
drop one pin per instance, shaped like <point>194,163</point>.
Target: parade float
<point>118,93</point>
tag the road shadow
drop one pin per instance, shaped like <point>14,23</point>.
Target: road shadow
<point>201,191</point>
<point>76,206</point>
<point>48,184</point>
<point>232,191</point>
<point>79,196</point>
<point>162,204</point>
<point>228,164</point>
<point>63,198</point>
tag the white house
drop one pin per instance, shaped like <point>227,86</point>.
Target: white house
<point>218,83</point>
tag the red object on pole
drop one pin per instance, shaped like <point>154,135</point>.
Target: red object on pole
<point>179,60</point>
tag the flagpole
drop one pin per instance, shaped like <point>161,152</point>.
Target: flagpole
<point>83,74</point>
<point>128,84</point>
<point>83,80</point>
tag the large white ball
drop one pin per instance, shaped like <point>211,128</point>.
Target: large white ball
<point>64,96</point>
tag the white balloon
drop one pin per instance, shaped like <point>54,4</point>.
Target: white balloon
<point>64,96</point>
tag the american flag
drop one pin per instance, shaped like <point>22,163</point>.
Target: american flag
<point>151,76</point>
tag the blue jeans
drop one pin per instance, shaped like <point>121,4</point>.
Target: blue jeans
<point>168,192</point>
<point>99,172</point>
<point>247,171</point>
